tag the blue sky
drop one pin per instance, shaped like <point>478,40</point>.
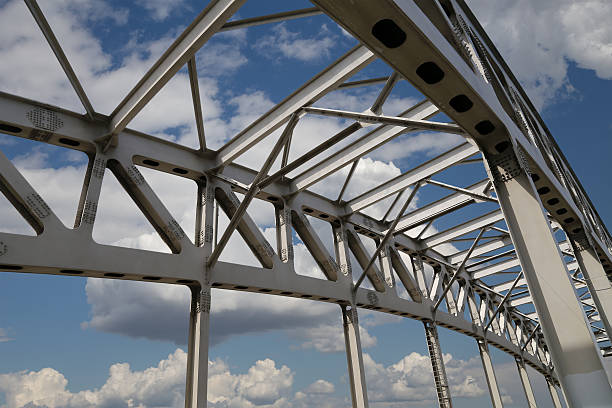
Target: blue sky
<point>60,336</point>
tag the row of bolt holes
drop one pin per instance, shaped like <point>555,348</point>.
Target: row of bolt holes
<point>392,36</point>
<point>239,287</point>
<point>14,129</point>
<point>107,275</point>
<point>554,201</point>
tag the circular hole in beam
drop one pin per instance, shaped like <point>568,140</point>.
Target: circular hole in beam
<point>114,275</point>
<point>151,278</point>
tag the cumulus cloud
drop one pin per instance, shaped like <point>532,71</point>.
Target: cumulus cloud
<point>539,55</point>
<point>162,386</point>
<point>264,384</point>
<point>160,9</point>
<point>289,44</point>
<point>321,387</point>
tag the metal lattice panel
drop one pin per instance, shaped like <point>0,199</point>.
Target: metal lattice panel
<point>459,249</point>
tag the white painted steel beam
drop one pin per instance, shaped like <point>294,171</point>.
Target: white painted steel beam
<point>318,86</point>
<point>208,22</point>
<point>462,229</point>
<point>489,246</point>
<point>531,401</point>
<point>437,365</point>
<point>411,177</point>
<point>577,360</point>
<point>490,270</point>
<point>595,278</point>
<point>362,146</point>
<point>196,385</point>
<point>42,22</point>
<point>439,208</point>
<point>354,357</point>
<point>387,120</point>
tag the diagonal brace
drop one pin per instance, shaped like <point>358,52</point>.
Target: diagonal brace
<point>501,304</point>
<point>387,236</point>
<point>458,270</point>
<point>248,197</point>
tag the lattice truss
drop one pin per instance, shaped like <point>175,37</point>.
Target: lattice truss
<point>434,243</point>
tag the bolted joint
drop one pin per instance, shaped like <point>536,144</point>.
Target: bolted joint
<point>581,240</point>
<point>200,300</point>
<point>508,165</point>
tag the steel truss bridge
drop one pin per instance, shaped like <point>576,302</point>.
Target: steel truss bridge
<point>543,243</point>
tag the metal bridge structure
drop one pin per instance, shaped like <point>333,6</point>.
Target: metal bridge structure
<point>528,271</point>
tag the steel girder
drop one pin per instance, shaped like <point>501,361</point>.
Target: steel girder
<point>500,125</point>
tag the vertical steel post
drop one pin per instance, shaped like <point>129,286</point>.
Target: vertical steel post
<point>483,349</point>
<point>437,365</point>
<point>197,355</point>
<point>354,357</point>
<point>522,370</point>
<point>199,318</point>
<point>487,365</point>
<point>554,394</point>
<point>575,356</point>
<point>595,277</point>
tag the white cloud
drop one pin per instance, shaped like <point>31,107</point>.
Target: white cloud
<point>4,335</point>
<point>411,379</point>
<point>162,386</point>
<point>321,387</point>
<point>264,384</point>
<point>291,44</point>
<point>537,39</point>
<point>329,338</point>
<point>427,144</point>
<point>161,9</point>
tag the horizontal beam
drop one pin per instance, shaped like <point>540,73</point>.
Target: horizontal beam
<point>413,124</point>
<point>462,229</point>
<point>493,269</point>
<point>316,88</point>
<point>361,147</point>
<point>409,178</point>
<point>439,208</point>
<point>270,18</point>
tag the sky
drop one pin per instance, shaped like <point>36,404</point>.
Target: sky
<point>78,342</point>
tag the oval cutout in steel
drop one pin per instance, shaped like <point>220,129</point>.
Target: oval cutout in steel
<point>430,72</point>
<point>152,163</point>
<point>9,128</point>
<point>461,103</point>
<point>389,33</point>
<point>485,127</point>
<point>69,142</point>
